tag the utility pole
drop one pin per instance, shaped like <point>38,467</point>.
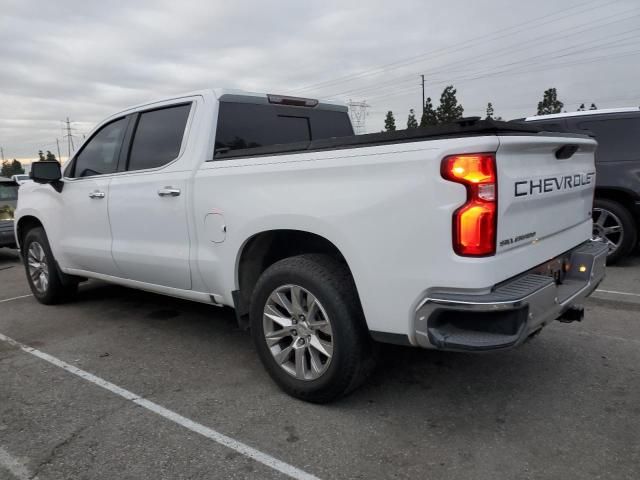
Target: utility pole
<point>59,156</point>
<point>70,146</point>
<point>422,76</point>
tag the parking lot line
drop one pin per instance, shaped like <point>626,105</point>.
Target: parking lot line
<point>15,298</point>
<point>196,427</point>
<point>13,465</point>
<point>618,293</point>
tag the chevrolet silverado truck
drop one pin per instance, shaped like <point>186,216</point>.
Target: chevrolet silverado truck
<point>467,237</point>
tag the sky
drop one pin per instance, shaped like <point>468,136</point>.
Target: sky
<point>86,60</point>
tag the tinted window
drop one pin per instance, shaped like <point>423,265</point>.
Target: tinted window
<point>8,191</point>
<point>247,125</point>
<point>158,137</point>
<point>618,139</point>
<point>100,155</point>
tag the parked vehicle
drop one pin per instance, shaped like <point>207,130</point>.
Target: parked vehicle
<point>616,212</point>
<point>8,202</point>
<point>471,236</point>
<point>21,178</point>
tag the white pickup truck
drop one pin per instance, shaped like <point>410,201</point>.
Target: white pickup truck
<point>469,237</point>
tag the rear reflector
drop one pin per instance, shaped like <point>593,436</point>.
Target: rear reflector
<point>474,224</point>
<point>295,101</point>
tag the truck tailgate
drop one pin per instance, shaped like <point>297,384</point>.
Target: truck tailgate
<point>545,187</point>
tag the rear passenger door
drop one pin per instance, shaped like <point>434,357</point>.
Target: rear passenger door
<point>148,200</point>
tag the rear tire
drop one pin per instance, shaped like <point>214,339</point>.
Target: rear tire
<point>316,357</point>
<point>613,223</point>
<point>48,284</point>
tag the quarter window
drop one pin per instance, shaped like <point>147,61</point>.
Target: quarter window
<point>618,139</point>
<point>158,137</point>
<point>100,155</point>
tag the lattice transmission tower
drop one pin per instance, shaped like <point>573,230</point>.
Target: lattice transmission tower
<point>358,114</point>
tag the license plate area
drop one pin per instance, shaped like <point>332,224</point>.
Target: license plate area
<point>556,268</point>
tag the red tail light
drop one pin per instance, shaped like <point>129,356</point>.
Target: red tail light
<point>474,223</point>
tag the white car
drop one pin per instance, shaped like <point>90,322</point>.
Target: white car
<point>21,178</point>
<point>471,236</point>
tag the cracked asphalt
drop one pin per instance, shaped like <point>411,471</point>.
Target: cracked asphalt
<point>565,405</point>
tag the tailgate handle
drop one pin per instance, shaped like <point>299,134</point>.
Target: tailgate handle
<point>566,151</point>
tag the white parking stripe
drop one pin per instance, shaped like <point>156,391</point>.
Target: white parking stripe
<point>15,298</point>
<point>13,465</point>
<point>618,293</point>
<point>207,432</point>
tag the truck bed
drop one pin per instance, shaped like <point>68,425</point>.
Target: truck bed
<point>463,128</point>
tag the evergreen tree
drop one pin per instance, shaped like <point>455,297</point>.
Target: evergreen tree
<point>593,107</point>
<point>550,103</point>
<point>40,156</point>
<point>390,122</point>
<point>17,167</point>
<point>449,110</point>
<point>51,156</point>
<point>429,116</point>
<point>11,168</point>
<point>489,111</point>
<point>582,108</point>
<point>411,121</point>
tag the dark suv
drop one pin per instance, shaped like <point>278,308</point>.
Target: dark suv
<point>616,212</point>
<point>8,201</point>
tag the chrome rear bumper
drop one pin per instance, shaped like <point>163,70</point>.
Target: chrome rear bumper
<point>514,309</point>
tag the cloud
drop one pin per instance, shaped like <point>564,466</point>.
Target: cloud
<point>87,60</point>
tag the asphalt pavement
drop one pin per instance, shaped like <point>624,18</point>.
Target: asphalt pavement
<point>122,384</point>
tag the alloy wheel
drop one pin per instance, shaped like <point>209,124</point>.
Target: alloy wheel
<point>298,332</point>
<point>38,267</point>
<point>607,227</point>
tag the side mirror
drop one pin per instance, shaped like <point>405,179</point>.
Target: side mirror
<point>48,171</point>
<point>45,172</point>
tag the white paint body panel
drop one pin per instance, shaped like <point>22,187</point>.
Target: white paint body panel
<point>386,208</point>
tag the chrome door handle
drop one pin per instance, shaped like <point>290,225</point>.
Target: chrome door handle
<point>169,192</point>
<point>96,194</point>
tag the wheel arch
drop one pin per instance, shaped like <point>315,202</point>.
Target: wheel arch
<point>263,249</point>
<point>24,224</point>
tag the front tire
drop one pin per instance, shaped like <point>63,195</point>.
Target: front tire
<point>48,284</point>
<point>308,328</point>
<point>613,224</point>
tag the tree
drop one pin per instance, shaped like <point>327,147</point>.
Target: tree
<point>40,156</point>
<point>449,110</point>
<point>550,103</point>
<point>429,116</point>
<point>411,121</point>
<point>51,156</point>
<point>582,108</point>
<point>593,107</point>
<point>390,122</point>
<point>11,168</point>
<point>489,111</point>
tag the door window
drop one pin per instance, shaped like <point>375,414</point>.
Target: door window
<point>158,137</point>
<point>100,155</point>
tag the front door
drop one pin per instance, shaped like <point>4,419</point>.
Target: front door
<point>85,239</point>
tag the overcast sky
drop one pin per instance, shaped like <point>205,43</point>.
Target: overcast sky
<point>86,60</point>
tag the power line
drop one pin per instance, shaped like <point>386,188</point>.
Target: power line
<point>545,39</point>
<point>529,24</point>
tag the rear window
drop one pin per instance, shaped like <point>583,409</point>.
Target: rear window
<point>8,191</point>
<point>248,125</point>
<point>618,139</point>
